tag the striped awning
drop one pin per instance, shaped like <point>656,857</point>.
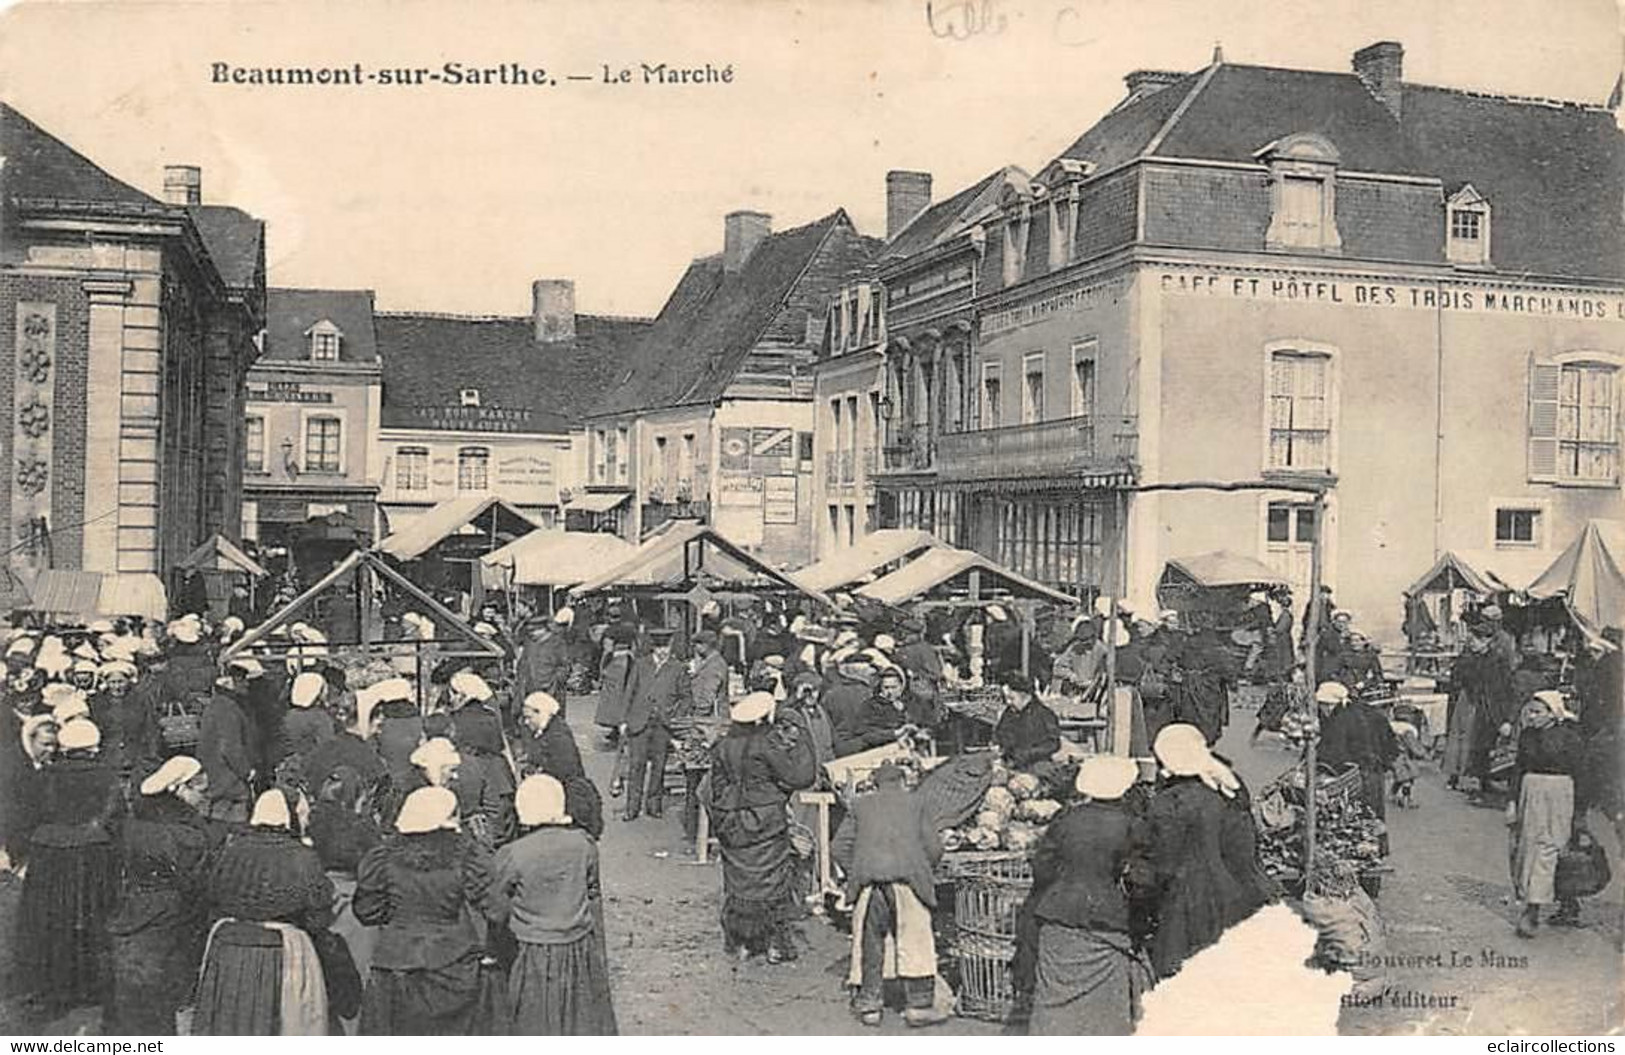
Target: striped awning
<point>86,595</point>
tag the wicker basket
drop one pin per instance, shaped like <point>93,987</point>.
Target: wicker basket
<point>989,888</point>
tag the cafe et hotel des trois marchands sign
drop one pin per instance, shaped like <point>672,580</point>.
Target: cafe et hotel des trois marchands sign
<point>1453,295</point>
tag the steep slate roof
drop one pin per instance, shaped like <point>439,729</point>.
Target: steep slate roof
<point>428,359</point>
<point>292,312</point>
<point>1553,173</point>
<point>234,239</point>
<point>39,165</point>
<point>947,217</point>
<point>712,321</point>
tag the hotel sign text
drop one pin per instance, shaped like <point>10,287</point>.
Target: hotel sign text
<point>1571,304</point>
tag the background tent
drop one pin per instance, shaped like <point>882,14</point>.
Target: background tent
<point>552,558</point>
<point>1588,577</point>
<point>946,570</point>
<point>686,555</point>
<point>485,520</point>
<point>870,554</point>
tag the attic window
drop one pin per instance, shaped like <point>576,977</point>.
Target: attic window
<point>324,342</point>
<point>1303,193</point>
<point>469,397</point>
<point>1467,235</point>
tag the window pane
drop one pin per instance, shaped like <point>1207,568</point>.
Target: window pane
<point>1306,524</point>
<point>1300,198</point>
<point>1280,521</point>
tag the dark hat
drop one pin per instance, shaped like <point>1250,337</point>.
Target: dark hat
<point>888,774</point>
<point>1015,679</point>
<point>662,635</point>
<point>809,677</point>
<point>705,637</point>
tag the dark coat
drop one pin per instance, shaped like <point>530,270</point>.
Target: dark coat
<point>268,875</point>
<point>341,836</point>
<point>613,680</point>
<point>889,838</point>
<point>344,749</point>
<point>656,695</point>
<point>305,729</point>
<point>1088,862</point>
<point>552,751</point>
<point>1029,735</point>
<point>226,749</point>
<point>543,666</point>
<point>875,725</point>
<point>1198,893</point>
<point>754,768</point>
<point>419,891</point>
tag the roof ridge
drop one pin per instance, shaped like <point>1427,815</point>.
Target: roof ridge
<point>318,289</point>
<point>1509,97</point>
<point>454,316</point>
<point>13,112</point>
<point>1167,128</point>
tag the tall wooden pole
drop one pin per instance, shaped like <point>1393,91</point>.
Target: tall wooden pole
<point>1311,639</point>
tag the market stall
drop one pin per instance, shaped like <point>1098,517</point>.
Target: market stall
<point>63,597</point>
<point>224,565</point>
<point>871,557</point>
<point>1213,591</point>
<point>1589,579</point>
<point>1438,604</point>
<point>445,544</point>
<point>546,563</point>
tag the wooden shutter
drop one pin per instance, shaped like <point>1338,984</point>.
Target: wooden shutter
<point>1544,383</point>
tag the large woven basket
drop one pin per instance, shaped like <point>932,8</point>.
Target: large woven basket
<point>989,888</point>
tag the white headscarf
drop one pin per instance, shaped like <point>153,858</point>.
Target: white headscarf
<point>1183,752</point>
<point>271,811</point>
<point>540,800</point>
<point>171,775</point>
<point>427,810</point>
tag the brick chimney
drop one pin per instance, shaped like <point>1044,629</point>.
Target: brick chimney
<point>553,310</point>
<point>742,231</point>
<point>183,185</point>
<point>907,195</point>
<point>1380,67</point>
<point>1141,83</point>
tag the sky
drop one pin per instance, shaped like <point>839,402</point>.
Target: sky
<point>452,198</point>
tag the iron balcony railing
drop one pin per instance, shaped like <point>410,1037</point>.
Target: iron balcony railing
<point>1064,447</point>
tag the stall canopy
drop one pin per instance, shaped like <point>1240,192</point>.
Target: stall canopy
<point>687,554</point>
<point>1482,571</point>
<point>1222,568</point>
<point>597,503</point>
<point>1588,577</point>
<point>552,558</point>
<point>870,554</point>
<point>946,569</point>
<point>219,553</point>
<point>85,596</point>
<point>469,515</point>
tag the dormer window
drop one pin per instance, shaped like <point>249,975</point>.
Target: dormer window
<point>1016,226</point>
<point>324,342</point>
<point>1467,237</point>
<point>469,397</point>
<point>1303,193</point>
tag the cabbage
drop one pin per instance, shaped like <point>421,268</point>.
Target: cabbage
<point>1024,786</point>
<point>999,799</point>
<point>998,776</point>
<point>1038,810</point>
<point>983,838</point>
<point>991,819</point>
<point>1022,837</point>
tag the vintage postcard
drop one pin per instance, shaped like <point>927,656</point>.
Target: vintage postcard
<point>875,517</point>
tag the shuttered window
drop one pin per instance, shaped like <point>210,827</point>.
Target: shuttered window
<point>1574,423</point>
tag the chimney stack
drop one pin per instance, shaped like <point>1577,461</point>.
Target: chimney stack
<point>183,185</point>
<point>1380,67</point>
<point>742,231</point>
<point>907,195</point>
<point>553,310</point>
<point>1141,83</point>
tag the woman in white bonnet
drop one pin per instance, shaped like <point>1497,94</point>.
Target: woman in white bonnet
<point>72,878</point>
<point>159,926</point>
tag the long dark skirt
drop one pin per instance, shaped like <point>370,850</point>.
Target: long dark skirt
<point>1089,983</point>
<point>154,968</point>
<point>562,990</point>
<point>63,951</point>
<point>444,1001</point>
<point>240,992</point>
<point>758,893</point>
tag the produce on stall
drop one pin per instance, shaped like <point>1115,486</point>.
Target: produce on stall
<point>1345,827</point>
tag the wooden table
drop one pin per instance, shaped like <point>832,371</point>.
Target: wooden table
<point>823,800</point>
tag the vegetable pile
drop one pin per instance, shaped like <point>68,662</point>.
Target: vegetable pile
<point>1011,815</point>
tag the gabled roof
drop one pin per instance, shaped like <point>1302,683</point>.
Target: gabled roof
<point>871,553</point>
<point>548,557</point>
<point>688,554</point>
<point>41,166</point>
<point>292,312</point>
<point>429,359</point>
<point>940,570</point>
<point>948,217</point>
<point>1222,568</point>
<point>1125,133</point>
<point>235,241</point>
<point>713,319</point>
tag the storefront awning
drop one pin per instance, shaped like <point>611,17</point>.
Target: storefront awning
<point>597,503</point>
<point>87,595</point>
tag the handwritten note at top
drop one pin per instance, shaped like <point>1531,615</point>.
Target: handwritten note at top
<point>961,20</point>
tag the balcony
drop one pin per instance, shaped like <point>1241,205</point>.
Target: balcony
<point>1067,448</point>
<point>909,450</point>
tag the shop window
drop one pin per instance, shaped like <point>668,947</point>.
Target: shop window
<point>411,468</point>
<point>323,444</point>
<point>474,469</point>
<point>254,444</point>
<point>1574,423</point>
<point>1299,411</point>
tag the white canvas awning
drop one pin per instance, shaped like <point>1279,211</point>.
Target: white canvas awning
<point>871,553</point>
<point>450,518</point>
<point>552,558</point>
<point>942,566</point>
<point>597,503</point>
